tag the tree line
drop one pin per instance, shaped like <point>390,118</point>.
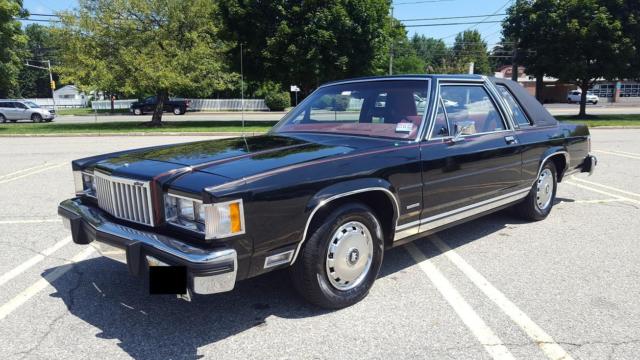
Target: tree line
<point>192,48</point>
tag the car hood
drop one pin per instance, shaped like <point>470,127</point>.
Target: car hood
<point>233,158</point>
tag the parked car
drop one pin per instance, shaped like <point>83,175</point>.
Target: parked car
<point>325,193</point>
<point>14,110</point>
<point>174,105</point>
<point>575,96</point>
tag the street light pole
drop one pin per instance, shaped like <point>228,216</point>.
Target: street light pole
<point>391,48</point>
<point>48,68</point>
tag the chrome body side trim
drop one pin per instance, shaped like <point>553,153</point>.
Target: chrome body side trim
<point>567,165</point>
<point>338,196</point>
<point>448,217</point>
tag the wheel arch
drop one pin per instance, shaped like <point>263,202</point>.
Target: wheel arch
<point>561,159</point>
<point>378,194</point>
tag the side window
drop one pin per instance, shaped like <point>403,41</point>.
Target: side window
<point>471,103</point>
<point>516,110</point>
<point>440,128</point>
<point>19,105</point>
<point>6,104</point>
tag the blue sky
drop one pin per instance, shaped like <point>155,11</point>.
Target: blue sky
<point>403,9</point>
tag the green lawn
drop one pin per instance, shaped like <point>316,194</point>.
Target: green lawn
<point>602,120</point>
<point>89,111</point>
<point>133,127</point>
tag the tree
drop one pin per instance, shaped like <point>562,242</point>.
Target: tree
<point>34,83</point>
<point>433,52</point>
<point>307,43</point>
<point>577,41</point>
<point>144,46</point>
<point>469,47</point>
<point>12,41</point>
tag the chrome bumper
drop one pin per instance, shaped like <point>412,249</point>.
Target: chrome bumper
<point>209,270</point>
<point>589,164</point>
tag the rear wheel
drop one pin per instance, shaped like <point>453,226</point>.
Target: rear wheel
<point>537,205</point>
<point>3,119</point>
<point>177,111</point>
<point>340,260</point>
<point>137,111</point>
<point>36,118</point>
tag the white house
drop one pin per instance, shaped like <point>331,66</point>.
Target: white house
<point>70,94</point>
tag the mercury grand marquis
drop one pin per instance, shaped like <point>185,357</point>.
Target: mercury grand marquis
<point>360,166</point>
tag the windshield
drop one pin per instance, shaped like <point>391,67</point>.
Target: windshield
<point>31,105</point>
<point>392,109</point>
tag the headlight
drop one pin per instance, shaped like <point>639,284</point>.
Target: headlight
<point>215,221</point>
<point>84,183</point>
<point>184,212</point>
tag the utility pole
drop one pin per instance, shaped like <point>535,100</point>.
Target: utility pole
<point>514,64</point>
<point>391,48</point>
<point>51,83</point>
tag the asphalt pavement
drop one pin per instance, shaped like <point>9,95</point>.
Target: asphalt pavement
<point>494,288</point>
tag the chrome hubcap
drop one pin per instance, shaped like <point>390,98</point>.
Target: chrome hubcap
<point>544,189</point>
<point>349,256</point>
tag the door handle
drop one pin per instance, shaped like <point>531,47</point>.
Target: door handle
<point>510,140</point>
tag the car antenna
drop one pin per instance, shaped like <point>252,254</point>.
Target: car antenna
<point>242,89</point>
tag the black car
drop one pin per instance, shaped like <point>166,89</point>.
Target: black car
<point>358,167</point>
<point>174,105</point>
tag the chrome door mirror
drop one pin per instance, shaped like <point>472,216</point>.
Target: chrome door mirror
<point>463,128</point>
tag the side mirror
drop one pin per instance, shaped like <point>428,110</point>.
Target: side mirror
<point>463,128</point>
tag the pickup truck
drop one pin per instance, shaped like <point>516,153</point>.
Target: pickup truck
<point>176,106</point>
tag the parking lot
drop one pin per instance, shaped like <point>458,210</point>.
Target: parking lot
<point>566,287</point>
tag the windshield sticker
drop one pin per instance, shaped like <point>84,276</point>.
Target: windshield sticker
<point>346,93</point>
<point>404,127</point>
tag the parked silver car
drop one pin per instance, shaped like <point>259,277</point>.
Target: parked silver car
<point>14,110</point>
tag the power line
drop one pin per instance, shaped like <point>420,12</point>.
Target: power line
<point>470,27</point>
<point>421,2</point>
<point>450,24</point>
<point>453,17</point>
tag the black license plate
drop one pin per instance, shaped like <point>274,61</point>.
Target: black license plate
<point>167,280</point>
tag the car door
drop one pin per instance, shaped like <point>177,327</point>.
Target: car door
<point>7,109</point>
<point>149,104</point>
<point>20,111</point>
<point>469,174</point>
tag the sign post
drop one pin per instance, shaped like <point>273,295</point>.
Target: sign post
<point>295,89</point>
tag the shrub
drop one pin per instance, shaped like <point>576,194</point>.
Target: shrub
<point>277,101</point>
<point>341,103</point>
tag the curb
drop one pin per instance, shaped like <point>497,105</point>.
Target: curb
<point>229,134</point>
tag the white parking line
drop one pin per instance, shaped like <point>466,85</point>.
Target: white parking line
<point>603,192</point>
<point>620,153</point>
<point>6,180</point>
<point>492,344</point>
<point>605,186</point>
<point>535,332</point>
<point>19,300</point>
<point>34,260</point>
<point>30,221</point>
<point>23,170</point>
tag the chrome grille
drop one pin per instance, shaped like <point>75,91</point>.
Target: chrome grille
<point>125,199</point>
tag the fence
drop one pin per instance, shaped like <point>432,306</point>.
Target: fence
<point>63,103</point>
<point>196,104</point>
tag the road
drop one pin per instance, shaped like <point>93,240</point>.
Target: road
<point>495,288</point>
<point>555,109</point>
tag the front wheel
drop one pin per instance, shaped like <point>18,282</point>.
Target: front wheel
<point>177,111</point>
<point>137,111</point>
<point>537,205</point>
<point>341,259</point>
<point>3,119</point>
<point>36,118</point>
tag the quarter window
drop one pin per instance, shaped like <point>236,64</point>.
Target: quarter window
<point>469,103</point>
<point>516,110</point>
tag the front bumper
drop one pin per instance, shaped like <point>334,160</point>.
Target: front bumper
<point>209,270</point>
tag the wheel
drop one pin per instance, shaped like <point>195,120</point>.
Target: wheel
<point>36,118</point>
<point>3,119</point>
<point>341,258</point>
<point>13,121</point>
<point>595,103</point>
<point>537,205</point>
<point>177,111</point>
<point>137,111</point>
